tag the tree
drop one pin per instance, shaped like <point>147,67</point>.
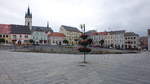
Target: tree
<point>101,42</point>
<point>31,41</point>
<point>65,41</point>
<point>2,40</point>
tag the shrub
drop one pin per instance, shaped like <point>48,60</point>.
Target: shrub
<point>65,41</point>
<point>2,40</point>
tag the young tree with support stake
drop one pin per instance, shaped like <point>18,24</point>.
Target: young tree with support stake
<point>84,42</point>
<point>65,41</point>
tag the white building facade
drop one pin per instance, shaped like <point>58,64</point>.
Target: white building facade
<point>56,38</point>
<point>116,39</point>
<point>112,39</point>
<point>131,40</point>
<point>97,37</point>
<point>39,37</point>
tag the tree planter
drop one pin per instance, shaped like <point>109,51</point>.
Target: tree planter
<point>83,36</point>
<point>84,42</point>
<point>83,49</point>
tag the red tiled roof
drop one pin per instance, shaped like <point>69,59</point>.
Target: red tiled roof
<point>99,33</point>
<point>5,28</point>
<point>56,34</point>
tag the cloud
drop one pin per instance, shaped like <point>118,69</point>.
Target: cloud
<point>131,15</point>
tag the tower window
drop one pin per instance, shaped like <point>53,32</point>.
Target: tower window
<point>28,23</point>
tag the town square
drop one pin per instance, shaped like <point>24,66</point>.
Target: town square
<point>74,42</point>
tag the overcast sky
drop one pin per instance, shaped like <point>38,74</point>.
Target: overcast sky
<point>101,15</point>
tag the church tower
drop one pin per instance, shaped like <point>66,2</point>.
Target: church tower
<point>28,19</point>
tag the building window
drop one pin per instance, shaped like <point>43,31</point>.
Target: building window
<point>14,36</point>
<point>7,36</point>
<point>28,24</point>
<point>26,36</point>
<point>41,41</point>
<point>3,35</point>
<point>0,35</point>
<point>56,42</point>
<point>26,41</point>
<point>20,36</point>
<point>134,42</point>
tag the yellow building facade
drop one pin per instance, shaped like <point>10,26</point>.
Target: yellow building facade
<point>72,34</point>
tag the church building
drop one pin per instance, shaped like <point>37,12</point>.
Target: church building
<point>38,33</point>
<point>23,34</point>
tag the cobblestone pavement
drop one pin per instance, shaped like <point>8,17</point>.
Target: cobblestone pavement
<point>44,68</point>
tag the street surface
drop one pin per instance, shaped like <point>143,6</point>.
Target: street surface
<point>44,68</point>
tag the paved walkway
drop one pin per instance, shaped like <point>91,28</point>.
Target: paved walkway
<point>42,68</point>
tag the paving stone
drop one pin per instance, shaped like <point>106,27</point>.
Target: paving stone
<point>44,68</point>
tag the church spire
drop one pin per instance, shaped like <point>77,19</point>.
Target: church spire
<point>28,14</point>
<point>28,18</point>
<point>28,11</point>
